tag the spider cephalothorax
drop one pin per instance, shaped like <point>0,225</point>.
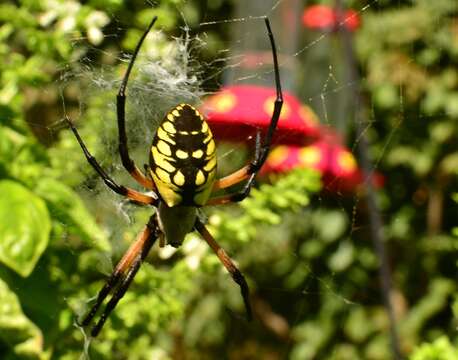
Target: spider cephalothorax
<point>182,177</point>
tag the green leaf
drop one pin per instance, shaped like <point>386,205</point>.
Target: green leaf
<point>435,301</point>
<point>359,326</point>
<point>24,229</point>
<point>343,257</point>
<point>67,207</point>
<point>455,197</point>
<point>16,330</point>
<point>330,224</point>
<point>439,349</point>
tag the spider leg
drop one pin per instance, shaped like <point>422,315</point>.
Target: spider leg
<point>236,197</point>
<point>242,174</point>
<point>117,295</point>
<point>119,189</point>
<point>126,160</point>
<point>237,276</point>
<point>262,149</point>
<point>123,275</point>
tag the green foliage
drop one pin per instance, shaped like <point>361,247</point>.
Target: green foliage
<point>37,209</point>
<point>17,331</point>
<point>409,53</point>
<point>440,349</point>
<point>424,77</point>
<point>267,205</point>
<point>70,214</point>
<point>25,227</point>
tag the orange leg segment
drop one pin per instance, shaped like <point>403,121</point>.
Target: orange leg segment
<point>122,275</point>
<point>228,264</point>
<point>232,179</point>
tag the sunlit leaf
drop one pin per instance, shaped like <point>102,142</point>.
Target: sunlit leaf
<point>16,330</point>
<point>24,229</point>
<point>440,349</point>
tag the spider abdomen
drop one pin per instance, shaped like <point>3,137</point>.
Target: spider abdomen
<point>183,158</point>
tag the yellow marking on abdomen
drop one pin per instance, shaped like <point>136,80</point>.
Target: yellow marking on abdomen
<point>200,178</point>
<point>164,135</point>
<point>175,113</point>
<point>162,175</point>
<point>164,148</point>
<point>162,160</point>
<point>179,178</point>
<point>211,164</point>
<point>167,190</point>
<point>198,154</point>
<point>181,154</point>
<point>168,126</point>
<point>208,138</point>
<point>210,147</point>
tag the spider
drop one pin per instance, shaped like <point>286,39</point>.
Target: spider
<point>181,178</point>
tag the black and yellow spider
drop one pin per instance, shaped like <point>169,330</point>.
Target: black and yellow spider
<point>182,175</point>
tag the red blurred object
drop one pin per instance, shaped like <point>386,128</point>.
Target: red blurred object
<point>322,17</point>
<point>236,112</point>
<point>337,164</point>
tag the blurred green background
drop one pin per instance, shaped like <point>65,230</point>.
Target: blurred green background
<point>306,253</point>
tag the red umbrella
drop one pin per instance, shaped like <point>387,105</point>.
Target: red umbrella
<point>322,17</point>
<point>236,112</point>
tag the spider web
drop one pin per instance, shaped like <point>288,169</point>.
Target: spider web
<point>328,90</point>
<point>175,83</point>
<point>157,85</point>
